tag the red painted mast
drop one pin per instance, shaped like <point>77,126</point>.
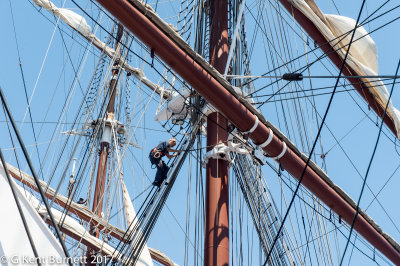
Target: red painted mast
<point>241,116</point>
<point>216,242</point>
<point>106,137</point>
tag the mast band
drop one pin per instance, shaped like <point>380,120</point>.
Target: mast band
<point>253,127</point>
<point>268,141</point>
<point>282,153</point>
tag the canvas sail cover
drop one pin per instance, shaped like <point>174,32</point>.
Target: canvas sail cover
<point>49,249</point>
<point>363,54</point>
<point>79,24</point>
<point>15,247</point>
<point>144,258</point>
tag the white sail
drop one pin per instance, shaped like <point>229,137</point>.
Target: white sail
<point>79,24</point>
<point>15,247</point>
<point>144,259</point>
<point>76,230</point>
<point>363,55</point>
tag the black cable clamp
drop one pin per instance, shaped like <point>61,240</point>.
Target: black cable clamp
<point>292,76</point>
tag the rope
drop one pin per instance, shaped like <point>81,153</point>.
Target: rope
<point>21,213</point>
<point>34,175</point>
<point>369,166</point>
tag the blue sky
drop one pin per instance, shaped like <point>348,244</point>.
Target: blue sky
<point>35,40</point>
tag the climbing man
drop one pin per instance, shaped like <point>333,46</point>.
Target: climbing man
<point>162,149</point>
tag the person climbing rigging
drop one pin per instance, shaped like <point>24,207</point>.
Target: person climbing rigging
<point>162,149</point>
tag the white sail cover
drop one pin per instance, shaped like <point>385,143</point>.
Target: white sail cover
<point>49,249</point>
<point>174,108</point>
<point>78,23</point>
<point>363,54</point>
<point>144,258</point>
<point>15,248</point>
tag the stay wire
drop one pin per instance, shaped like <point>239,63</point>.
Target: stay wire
<point>130,233</point>
<point>327,87</point>
<point>34,175</point>
<point>330,219</point>
<point>317,136</point>
<point>21,213</point>
<point>147,62</point>
<point>324,55</point>
<point>368,168</point>
<point>319,46</point>
<point>312,95</point>
<point>24,84</point>
<point>318,59</point>
<point>302,69</point>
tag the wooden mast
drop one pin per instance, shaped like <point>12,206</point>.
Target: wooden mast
<point>135,17</point>
<point>216,243</point>
<point>105,144</point>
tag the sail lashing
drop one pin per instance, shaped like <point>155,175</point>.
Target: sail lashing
<point>363,55</point>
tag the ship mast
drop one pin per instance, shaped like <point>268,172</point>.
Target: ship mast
<point>208,84</point>
<point>216,243</point>
<point>105,142</point>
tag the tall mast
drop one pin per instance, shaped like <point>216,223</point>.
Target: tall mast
<point>105,141</point>
<point>216,250</point>
<point>242,116</point>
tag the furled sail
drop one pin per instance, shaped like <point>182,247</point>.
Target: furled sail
<point>363,54</point>
<point>79,24</point>
<point>14,243</point>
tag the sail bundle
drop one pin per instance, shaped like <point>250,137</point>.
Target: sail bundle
<point>79,24</point>
<point>362,56</point>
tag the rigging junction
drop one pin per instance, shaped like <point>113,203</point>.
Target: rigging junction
<point>269,141</point>
<point>207,82</point>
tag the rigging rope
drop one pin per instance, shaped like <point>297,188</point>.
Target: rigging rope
<point>369,167</point>
<point>319,131</point>
<point>5,106</point>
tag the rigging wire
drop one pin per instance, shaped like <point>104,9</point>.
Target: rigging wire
<point>327,87</point>
<point>21,213</point>
<point>331,218</point>
<point>5,106</point>
<point>24,84</point>
<point>317,136</point>
<point>368,168</point>
<point>299,77</point>
<point>307,96</point>
<point>337,38</point>
<point>323,55</point>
